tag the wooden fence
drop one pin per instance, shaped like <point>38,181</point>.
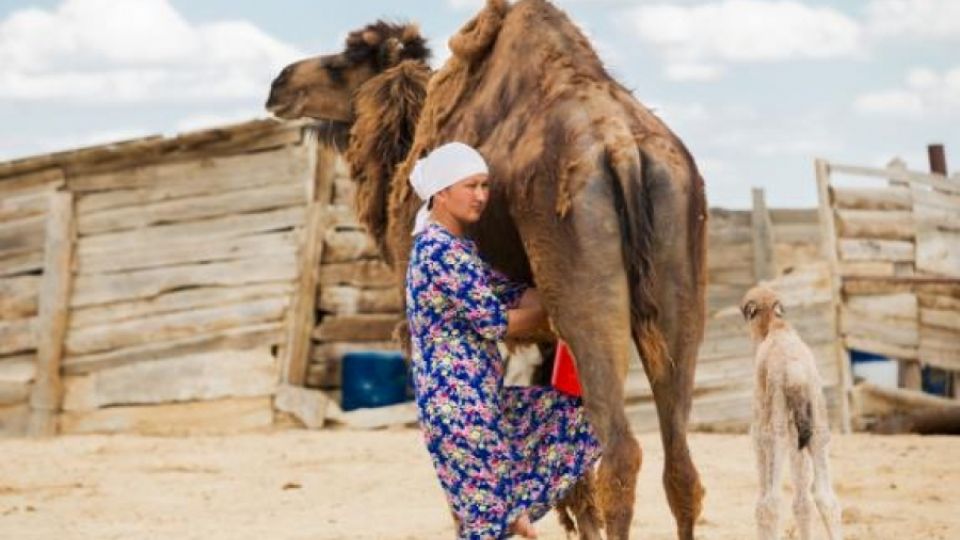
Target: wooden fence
<point>893,243</point>
<point>155,285</point>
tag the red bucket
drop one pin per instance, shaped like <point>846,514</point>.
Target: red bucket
<point>564,377</point>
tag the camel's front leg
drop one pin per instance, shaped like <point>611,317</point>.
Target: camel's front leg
<point>577,266</point>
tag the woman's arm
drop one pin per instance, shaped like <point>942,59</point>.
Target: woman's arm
<point>529,318</point>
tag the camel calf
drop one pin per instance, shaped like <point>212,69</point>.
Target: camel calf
<point>789,415</point>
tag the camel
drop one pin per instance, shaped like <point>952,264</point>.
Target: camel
<point>593,200</point>
<point>789,415</point>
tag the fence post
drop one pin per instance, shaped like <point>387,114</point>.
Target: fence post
<point>764,266</point>
<point>828,233</point>
<point>46,395</point>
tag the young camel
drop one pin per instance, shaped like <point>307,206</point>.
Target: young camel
<point>789,414</point>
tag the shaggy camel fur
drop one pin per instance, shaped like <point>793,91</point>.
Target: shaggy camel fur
<point>789,415</point>
<point>593,199</point>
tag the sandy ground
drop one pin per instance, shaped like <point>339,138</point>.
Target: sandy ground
<point>354,485</point>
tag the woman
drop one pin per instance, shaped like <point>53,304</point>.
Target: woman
<point>504,456</point>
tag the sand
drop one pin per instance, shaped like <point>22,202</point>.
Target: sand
<point>356,485</point>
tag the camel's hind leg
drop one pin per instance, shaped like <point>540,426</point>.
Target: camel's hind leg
<point>802,480</point>
<point>679,290</point>
<point>823,493</point>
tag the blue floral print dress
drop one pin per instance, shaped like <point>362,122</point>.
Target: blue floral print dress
<point>498,451</point>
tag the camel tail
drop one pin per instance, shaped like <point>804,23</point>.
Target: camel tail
<point>799,404</point>
<point>632,200</point>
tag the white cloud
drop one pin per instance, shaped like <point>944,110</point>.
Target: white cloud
<point>133,51</point>
<point>919,19</point>
<point>699,40</point>
<point>925,92</point>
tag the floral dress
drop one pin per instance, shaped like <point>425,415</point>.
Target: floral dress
<point>498,451</point>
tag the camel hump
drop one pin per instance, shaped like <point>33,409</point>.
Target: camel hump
<point>477,36</point>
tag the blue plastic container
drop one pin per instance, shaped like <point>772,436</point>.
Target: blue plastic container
<point>373,379</point>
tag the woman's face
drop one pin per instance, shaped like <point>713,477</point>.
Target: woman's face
<point>466,199</point>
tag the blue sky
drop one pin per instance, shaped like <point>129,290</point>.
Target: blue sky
<point>756,88</point>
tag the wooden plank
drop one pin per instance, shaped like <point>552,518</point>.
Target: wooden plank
<point>12,184</point>
<point>932,200</point>
<point>14,393</point>
<point>200,377</point>
<point>762,233</point>
<point>932,180</point>
<point>174,326</point>
<point>345,245</point>
<point>870,198</point>
<point>799,216</point>
<point>190,209</point>
<point>879,224</point>
<point>247,337</point>
<point>346,300</point>
<point>883,348</point>
<point>308,406</point>
<point>18,262</point>
<point>14,420</point>
<point>876,250</point>
<point>47,393</point>
<point>301,317</point>
<point>18,335</point>
<point>139,186</point>
<point>185,300</point>
<point>730,255</point>
<point>187,251</point>
<point>14,206</point>
<point>828,235</point>
<point>181,419</point>
<point>938,250</point>
<point>16,378</point>
<point>948,319</point>
<point>797,233</point>
<point>209,229</point>
<point>894,306</point>
<point>105,288</point>
<point>18,297</point>
<point>742,277</point>
<point>899,332</point>
<point>367,273</point>
<point>22,234</point>
<point>357,328</point>
<point>938,301</point>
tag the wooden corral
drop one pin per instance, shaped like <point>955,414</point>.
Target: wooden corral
<point>204,282</point>
<point>155,285</point>
<point>893,244</point>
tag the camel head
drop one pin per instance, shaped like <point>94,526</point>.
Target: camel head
<point>761,307</point>
<point>323,87</point>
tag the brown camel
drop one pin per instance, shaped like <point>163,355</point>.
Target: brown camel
<point>594,200</point>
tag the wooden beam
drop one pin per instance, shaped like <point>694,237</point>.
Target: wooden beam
<point>301,317</point>
<point>47,392</point>
<point>828,235</point>
<point>901,175</point>
<point>764,267</point>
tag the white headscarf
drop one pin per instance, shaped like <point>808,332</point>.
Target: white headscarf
<point>443,167</point>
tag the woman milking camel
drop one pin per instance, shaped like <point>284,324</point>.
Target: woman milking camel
<point>504,455</point>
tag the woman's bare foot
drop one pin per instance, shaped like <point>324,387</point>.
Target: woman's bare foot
<point>523,527</point>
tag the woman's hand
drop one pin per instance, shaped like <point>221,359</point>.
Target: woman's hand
<point>529,318</point>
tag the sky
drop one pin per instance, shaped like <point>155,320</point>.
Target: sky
<point>755,88</point>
